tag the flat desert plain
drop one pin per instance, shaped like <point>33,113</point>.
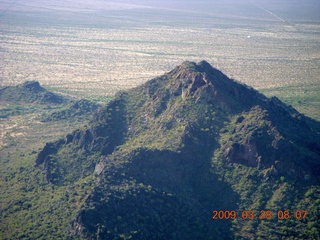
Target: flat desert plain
<point>95,48</point>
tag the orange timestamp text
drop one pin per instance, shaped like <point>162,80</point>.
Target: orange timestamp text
<point>262,214</point>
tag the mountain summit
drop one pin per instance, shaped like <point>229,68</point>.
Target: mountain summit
<point>165,154</point>
<point>30,92</point>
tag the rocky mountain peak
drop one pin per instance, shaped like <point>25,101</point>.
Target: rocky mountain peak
<point>190,80</point>
<point>33,86</point>
<point>173,145</point>
<point>204,83</point>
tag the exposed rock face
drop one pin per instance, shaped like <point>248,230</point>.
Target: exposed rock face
<point>157,152</point>
<point>49,148</point>
<point>209,85</point>
<point>100,138</point>
<point>259,139</point>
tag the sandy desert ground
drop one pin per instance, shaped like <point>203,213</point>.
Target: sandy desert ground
<point>94,49</point>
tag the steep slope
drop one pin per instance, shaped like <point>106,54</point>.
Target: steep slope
<point>166,154</point>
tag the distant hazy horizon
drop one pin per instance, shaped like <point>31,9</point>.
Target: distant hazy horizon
<point>294,10</point>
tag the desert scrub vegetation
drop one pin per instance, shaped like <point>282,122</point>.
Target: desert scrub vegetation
<point>305,98</point>
<point>32,200</point>
<point>98,60</point>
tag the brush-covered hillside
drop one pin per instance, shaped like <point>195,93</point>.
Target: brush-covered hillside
<point>191,154</point>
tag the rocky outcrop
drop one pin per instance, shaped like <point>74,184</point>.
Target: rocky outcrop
<point>107,130</point>
<point>259,138</point>
<point>49,149</point>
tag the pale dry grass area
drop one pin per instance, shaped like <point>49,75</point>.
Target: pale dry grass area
<point>6,127</point>
<point>101,61</point>
<point>25,133</point>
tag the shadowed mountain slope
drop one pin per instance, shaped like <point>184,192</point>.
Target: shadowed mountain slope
<point>166,154</point>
